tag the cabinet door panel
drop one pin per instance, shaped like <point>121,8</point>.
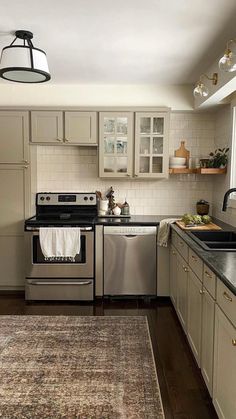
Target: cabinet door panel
<point>224,380</point>
<point>46,127</point>
<point>12,193</point>
<point>115,144</point>
<point>14,137</point>
<point>208,318</point>
<point>151,144</point>
<point>173,275</point>
<point>182,291</point>
<point>81,127</point>
<point>12,262</point>
<point>194,314</point>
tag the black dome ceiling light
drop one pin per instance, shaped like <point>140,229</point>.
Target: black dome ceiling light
<point>24,63</point>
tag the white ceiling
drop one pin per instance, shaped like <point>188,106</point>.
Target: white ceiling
<point>125,41</point>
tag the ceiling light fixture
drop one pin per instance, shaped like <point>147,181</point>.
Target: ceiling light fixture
<point>200,89</point>
<point>228,61</point>
<point>24,63</point>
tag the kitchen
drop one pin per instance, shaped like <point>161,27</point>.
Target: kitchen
<point>82,132</point>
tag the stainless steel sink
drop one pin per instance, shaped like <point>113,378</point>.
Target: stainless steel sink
<point>220,241</point>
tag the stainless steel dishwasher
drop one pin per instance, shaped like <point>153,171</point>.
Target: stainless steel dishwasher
<point>130,260</point>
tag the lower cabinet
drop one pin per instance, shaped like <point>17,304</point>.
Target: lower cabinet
<point>194,323</point>
<point>208,318</point>
<point>182,290</point>
<point>12,262</point>
<point>224,379</point>
<point>173,275</point>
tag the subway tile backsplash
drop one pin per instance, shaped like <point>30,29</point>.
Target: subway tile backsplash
<point>73,168</point>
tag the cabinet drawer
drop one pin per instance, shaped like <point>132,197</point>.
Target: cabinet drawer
<point>227,301</point>
<point>209,281</point>
<point>182,248</point>
<point>195,263</point>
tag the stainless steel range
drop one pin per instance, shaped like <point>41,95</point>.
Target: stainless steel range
<point>61,280</point>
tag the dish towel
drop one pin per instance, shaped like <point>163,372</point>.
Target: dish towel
<point>164,231</point>
<point>60,243</point>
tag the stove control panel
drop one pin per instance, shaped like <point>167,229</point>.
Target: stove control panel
<point>76,198</point>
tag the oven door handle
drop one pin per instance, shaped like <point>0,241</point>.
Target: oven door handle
<point>36,230</point>
<point>32,282</point>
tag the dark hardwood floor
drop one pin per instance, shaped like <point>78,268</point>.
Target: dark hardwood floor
<point>183,390</point>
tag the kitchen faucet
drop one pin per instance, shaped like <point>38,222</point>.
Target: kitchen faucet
<point>226,197</point>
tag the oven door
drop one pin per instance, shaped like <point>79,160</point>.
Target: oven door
<point>38,267</point>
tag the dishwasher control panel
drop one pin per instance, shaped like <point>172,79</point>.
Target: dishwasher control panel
<point>131,230</point>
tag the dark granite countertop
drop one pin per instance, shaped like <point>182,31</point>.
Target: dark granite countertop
<point>223,264</point>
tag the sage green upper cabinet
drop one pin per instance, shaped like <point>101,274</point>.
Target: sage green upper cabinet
<point>116,144</point>
<point>14,137</point>
<point>81,127</point>
<point>47,126</point>
<point>151,144</point>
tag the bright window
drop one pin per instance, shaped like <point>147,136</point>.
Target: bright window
<point>232,202</point>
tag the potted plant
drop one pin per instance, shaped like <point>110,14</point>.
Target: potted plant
<point>219,158</point>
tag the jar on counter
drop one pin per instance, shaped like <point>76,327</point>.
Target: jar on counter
<point>125,210</point>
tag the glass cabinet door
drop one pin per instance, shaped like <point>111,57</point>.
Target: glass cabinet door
<point>115,153</point>
<point>151,145</point>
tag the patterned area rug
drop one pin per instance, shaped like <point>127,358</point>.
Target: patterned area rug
<point>77,367</point>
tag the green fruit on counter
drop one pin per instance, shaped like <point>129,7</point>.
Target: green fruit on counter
<point>187,219</point>
<point>197,219</point>
<point>206,219</point>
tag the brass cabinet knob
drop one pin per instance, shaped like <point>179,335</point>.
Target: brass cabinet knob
<point>227,297</point>
<point>207,274</point>
<point>66,141</point>
<point>59,139</point>
<point>201,292</point>
<point>194,258</point>
<point>234,342</point>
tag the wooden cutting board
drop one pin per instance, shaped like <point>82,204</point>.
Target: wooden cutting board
<point>182,151</point>
<point>210,226</point>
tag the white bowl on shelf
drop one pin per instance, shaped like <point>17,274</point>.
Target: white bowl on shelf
<point>177,166</point>
<point>180,161</point>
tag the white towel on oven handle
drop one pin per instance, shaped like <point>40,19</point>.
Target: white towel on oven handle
<point>59,243</point>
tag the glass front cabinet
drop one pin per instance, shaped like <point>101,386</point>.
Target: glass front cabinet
<point>151,145</point>
<point>142,152</point>
<point>116,144</point>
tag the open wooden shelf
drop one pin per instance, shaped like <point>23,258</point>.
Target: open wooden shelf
<point>181,171</point>
<point>211,171</point>
<point>200,171</point>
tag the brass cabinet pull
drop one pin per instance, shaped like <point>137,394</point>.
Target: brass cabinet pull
<point>207,274</point>
<point>59,139</point>
<point>227,297</point>
<point>26,167</point>
<point>194,258</point>
<point>234,342</point>
<point>25,161</point>
<point>173,252</point>
<point>201,292</point>
<point>66,141</point>
<point>185,269</point>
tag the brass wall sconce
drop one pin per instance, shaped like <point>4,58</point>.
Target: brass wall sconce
<point>200,89</point>
<point>228,61</point>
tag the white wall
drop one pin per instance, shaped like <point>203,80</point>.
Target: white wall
<point>223,138</point>
<point>65,169</point>
<point>176,97</point>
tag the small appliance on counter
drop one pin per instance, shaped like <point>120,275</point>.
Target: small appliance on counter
<point>61,279</point>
